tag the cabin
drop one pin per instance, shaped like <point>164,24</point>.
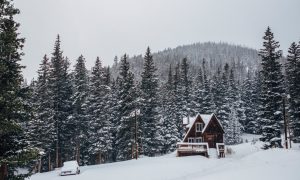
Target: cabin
<point>204,133</point>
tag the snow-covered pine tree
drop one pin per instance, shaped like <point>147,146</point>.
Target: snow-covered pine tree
<point>178,101</point>
<point>241,109</point>
<point>67,148</point>
<point>14,147</point>
<point>107,76</point>
<point>249,98</point>
<point>44,126</point>
<point>127,104</point>
<point>218,92</point>
<point>292,68</point>
<point>79,120</point>
<point>197,93</point>
<point>149,106</point>
<point>60,92</point>
<point>114,113</point>
<point>97,105</point>
<point>272,91</point>
<point>233,130</point>
<point>169,129</point>
<point>255,125</point>
<point>224,110</point>
<point>207,106</point>
<point>235,97</point>
<point>185,87</point>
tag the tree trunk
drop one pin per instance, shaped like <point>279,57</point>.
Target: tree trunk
<point>99,158</point>
<point>40,165</point>
<point>56,158</point>
<point>3,171</point>
<point>49,162</point>
<point>77,152</point>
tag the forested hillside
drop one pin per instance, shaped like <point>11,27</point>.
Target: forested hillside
<point>216,55</point>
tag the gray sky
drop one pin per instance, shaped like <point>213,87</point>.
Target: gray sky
<point>106,28</point>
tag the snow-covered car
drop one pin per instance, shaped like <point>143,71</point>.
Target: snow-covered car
<point>70,167</point>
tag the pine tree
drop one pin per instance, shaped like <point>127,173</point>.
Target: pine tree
<point>293,84</point>
<point>218,92</point>
<point>271,91</point>
<point>80,81</point>
<point>149,109</point>
<point>223,111</point>
<point>185,88</point>
<point>197,92</point>
<point>98,104</point>
<point>12,96</point>
<point>207,104</point>
<point>113,117</point>
<point>67,135</point>
<point>233,130</point>
<point>178,101</point>
<point>60,93</point>
<point>44,126</point>
<point>169,129</point>
<point>249,98</point>
<point>127,104</point>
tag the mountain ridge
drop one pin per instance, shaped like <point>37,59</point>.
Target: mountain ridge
<point>215,54</point>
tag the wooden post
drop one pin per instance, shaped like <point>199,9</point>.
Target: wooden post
<point>288,127</point>
<point>290,139</point>
<point>136,145</point>
<point>285,123</point>
<point>57,134</point>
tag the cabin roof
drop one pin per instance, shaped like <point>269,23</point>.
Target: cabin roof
<point>205,117</point>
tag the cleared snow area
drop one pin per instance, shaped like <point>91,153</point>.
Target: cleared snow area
<point>247,162</point>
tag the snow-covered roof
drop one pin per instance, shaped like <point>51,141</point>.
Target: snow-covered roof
<point>189,121</point>
<point>206,118</point>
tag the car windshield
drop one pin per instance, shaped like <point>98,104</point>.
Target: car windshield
<point>70,164</point>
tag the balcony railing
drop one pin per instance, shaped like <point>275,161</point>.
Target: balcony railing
<point>220,149</point>
<point>193,147</point>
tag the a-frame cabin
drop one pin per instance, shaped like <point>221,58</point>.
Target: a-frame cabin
<point>202,132</point>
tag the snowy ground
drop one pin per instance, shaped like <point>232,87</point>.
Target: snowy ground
<point>248,162</point>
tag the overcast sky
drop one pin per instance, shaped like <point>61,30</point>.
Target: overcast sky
<point>106,28</point>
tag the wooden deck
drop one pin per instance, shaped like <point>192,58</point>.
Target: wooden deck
<point>188,149</point>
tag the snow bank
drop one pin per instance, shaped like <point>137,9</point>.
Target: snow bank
<point>247,162</point>
<point>275,164</point>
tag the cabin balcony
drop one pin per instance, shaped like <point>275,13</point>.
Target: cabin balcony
<point>188,149</point>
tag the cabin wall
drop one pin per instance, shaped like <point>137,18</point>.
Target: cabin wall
<point>213,133</point>
<point>192,132</point>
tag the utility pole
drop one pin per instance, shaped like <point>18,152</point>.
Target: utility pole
<point>288,122</point>
<point>285,123</point>
<point>136,144</point>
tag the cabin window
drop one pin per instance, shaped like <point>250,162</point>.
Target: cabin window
<point>199,127</point>
<point>191,140</point>
<point>198,140</point>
